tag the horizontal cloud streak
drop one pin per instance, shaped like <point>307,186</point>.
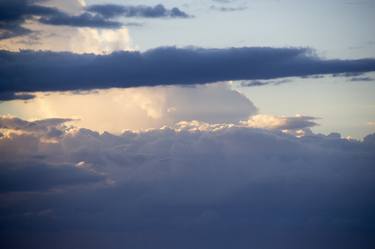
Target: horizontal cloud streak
<point>53,71</point>
<point>114,10</point>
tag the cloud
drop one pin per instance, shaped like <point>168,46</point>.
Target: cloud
<point>47,129</point>
<point>261,121</point>
<point>361,79</point>
<point>172,185</point>
<point>29,71</point>
<point>227,9</point>
<point>77,40</point>
<point>114,10</point>
<point>263,82</point>
<point>83,20</point>
<point>282,123</point>
<point>214,103</point>
<point>298,126</point>
<point>13,123</point>
<point>14,14</point>
<point>33,176</point>
<point>73,7</point>
<point>6,96</point>
<point>140,108</point>
<point>224,1</point>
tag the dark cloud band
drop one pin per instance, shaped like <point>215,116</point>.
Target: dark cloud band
<point>29,71</point>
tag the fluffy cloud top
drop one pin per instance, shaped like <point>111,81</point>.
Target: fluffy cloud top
<point>213,187</point>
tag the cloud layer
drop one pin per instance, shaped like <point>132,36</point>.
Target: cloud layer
<point>29,71</point>
<point>212,187</point>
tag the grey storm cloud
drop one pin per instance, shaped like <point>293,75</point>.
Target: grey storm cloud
<point>237,186</point>
<point>28,71</point>
<point>14,13</point>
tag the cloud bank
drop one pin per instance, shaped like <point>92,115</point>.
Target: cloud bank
<point>213,187</point>
<point>29,71</point>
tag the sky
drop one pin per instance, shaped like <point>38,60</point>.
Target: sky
<point>187,124</point>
